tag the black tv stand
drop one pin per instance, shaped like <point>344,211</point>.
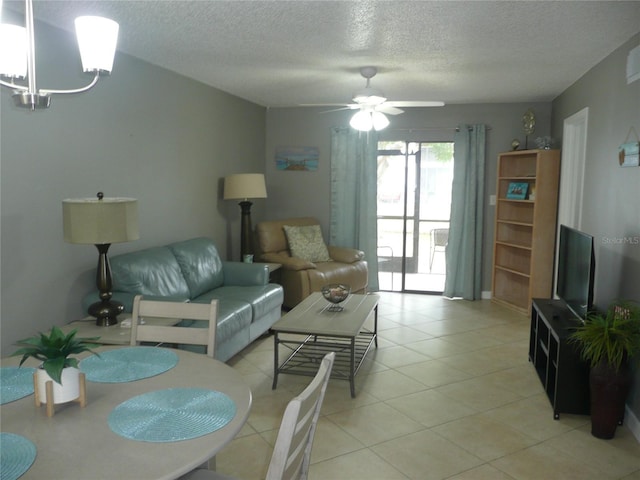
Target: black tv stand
<point>564,375</point>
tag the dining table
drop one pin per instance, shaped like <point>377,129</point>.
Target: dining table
<point>151,413</point>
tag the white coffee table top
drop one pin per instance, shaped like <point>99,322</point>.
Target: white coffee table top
<point>311,316</point>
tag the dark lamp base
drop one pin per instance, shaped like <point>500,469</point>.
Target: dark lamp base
<point>106,312</point>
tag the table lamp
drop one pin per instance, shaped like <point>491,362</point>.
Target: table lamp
<point>101,221</point>
<point>244,186</point>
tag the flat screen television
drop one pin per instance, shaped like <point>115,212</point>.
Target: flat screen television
<point>576,269</point>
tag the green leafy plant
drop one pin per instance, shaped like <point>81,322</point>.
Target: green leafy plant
<point>54,350</point>
<point>612,337</point>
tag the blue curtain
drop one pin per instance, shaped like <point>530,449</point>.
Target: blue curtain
<point>464,249</point>
<point>354,185</point>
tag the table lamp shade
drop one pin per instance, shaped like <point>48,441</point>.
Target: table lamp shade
<point>100,221</point>
<point>244,186</point>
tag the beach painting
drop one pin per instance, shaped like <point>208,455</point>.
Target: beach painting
<point>301,159</point>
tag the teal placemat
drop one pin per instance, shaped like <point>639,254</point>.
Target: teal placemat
<point>16,455</point>
<point>128,364</point>
<point>15,383</point>
<point>172,415</point>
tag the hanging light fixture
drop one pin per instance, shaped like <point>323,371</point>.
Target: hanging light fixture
<point>367,118</point>
<point>97,38</point>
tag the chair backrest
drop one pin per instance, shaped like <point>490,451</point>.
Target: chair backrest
<point>271,237</point>
<point>441,237</point>
<point>148,332</point>
<point>292,451</point>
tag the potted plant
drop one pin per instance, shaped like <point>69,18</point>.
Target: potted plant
<point>54,351</point>
<point>608,342</point>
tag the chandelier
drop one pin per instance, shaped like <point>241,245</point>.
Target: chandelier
<point>97,38</point>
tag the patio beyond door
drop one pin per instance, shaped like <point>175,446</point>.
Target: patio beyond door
<point>414,203</point>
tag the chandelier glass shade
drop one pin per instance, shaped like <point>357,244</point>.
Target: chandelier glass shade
<point>365,120</point>
<point>97,39</point>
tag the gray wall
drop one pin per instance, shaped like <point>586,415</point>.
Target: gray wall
<point>612,194</point>
<point>308,193</point>
<point>144,132</point>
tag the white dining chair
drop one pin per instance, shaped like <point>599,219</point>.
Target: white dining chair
<point>148,332</point>
<point>292,451</point>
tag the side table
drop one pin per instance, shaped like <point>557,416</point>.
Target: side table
<point>114,334</point>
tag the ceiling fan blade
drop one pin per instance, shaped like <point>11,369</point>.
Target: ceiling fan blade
<point>415,103</point>
<point>323,104</point>
<point>389,109</point>
<point>346,107</point>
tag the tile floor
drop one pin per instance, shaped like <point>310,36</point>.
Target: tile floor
<point>449,393</point>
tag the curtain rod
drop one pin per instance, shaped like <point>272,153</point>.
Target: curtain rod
<point>457,129</point>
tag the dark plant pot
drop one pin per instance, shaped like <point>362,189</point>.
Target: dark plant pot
<point>609,390</point>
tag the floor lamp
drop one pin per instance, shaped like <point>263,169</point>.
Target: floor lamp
<point>244,186</point>
<point>101,221</point>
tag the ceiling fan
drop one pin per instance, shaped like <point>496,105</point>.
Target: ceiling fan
<point>372,105</point>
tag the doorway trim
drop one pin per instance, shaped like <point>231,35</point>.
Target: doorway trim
<point>574,152</point>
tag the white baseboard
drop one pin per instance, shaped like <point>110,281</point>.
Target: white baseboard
<point>632,423</point>
<point>485,295</point>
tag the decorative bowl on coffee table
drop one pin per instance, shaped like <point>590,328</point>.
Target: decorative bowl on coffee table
<point>336,293</point>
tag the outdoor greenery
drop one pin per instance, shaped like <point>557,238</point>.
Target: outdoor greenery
<point>612,337</point>
<point>54,350</point>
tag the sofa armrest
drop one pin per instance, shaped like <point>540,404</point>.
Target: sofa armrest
<point>245,274</point>
<point>345,255</point>
<point>288,263</point>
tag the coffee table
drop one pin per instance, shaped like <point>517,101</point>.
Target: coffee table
<point>319,331</point>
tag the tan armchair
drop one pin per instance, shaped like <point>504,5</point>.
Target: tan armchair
<point>300,277</point>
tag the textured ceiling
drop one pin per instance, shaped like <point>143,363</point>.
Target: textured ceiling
<point>286,53</point>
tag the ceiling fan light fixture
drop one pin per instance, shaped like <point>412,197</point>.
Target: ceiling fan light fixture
<point>362,121</point>
<point>380,121</point>
<point>365,120</point>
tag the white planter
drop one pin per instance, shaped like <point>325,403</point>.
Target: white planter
<point>69,390</point>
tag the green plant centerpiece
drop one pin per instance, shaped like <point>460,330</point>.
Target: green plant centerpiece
<point>608,342</point>
<point>54,350</point>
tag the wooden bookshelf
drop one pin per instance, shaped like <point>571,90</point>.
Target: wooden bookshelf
<point>525,228</point>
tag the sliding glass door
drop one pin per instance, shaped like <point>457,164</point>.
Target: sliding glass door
<point>414,201</point>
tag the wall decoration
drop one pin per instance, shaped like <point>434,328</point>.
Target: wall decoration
<point>629,152</point>
<point>517,190</point>
<point>301,159</point>
<point>528,125</point>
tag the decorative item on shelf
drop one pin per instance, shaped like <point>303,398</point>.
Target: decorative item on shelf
<point>97,39</point>
<point>532,193</point>
<point>517,190</point>
<point>629,152</point>
<point>544,143</point>
<point>336,293</point>
<point>609,342</point>
<point>515,143</point>
<point>58,379</point>
<point>528,125</point>
<point>243,186</point>
<point>101,221</point>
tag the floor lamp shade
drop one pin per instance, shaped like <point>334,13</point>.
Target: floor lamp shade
<point>244,186</point>
<point>101,221</point>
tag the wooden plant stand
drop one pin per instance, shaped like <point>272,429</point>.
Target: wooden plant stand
<point>82,399</point>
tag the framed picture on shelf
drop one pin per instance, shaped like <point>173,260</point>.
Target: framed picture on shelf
<point>517,190</point>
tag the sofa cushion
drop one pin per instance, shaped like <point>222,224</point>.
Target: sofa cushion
<point>262,298</point>
<point>306,242</point>
<point>233,315</point>
<point>153,272</point>
<point>200,264</point>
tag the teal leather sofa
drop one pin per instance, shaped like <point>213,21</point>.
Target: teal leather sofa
<point>192,271</point>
